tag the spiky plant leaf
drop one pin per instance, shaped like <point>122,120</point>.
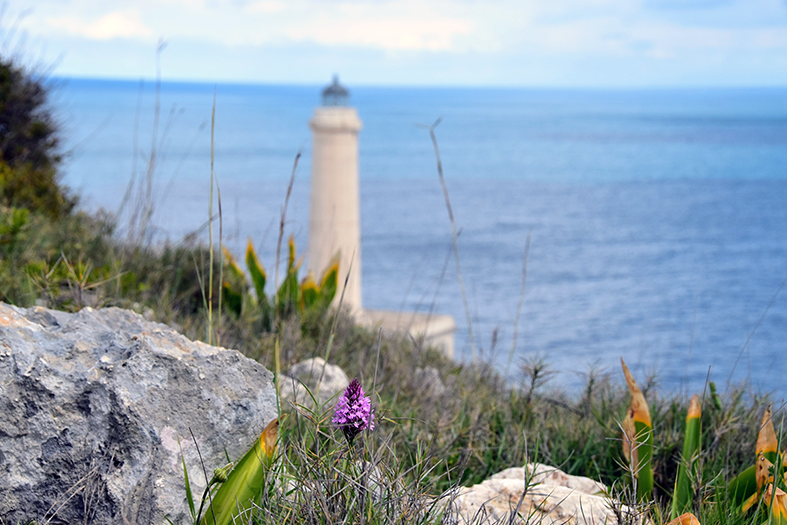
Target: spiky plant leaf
<point>329,282</point>
<point>763,472</point>
<point>683,494</point>
<point>776,500</point>
<point>232,299</point>
<point>310,292</point>
<point>742,490</point>
<point>234,283</point>
<point>232,267</point>
<point>291,252</point>
<point>638,437</point>
<point>257,272</point>
<point>685,519</point>
<point>288,295</point>
<point>244,484</point>
<point>767,443</point>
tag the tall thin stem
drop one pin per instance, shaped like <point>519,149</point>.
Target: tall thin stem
<point>519,305</point>
<point>454,238</point>
<point>276,345</point>
<point>210,227</point>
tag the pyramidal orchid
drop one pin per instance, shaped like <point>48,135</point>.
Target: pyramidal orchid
<point>353,413</point>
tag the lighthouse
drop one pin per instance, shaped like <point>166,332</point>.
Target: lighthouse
<point>335,217</point>
<point>335,221</point>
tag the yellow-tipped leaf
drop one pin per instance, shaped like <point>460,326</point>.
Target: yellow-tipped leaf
<point>763,471</point>
<point>310,292</point>
<point>329,282</point>
<point>256,270</point>
<point>745,489</point>
<point>777,505</point>
<point>767,444</point>
<point>685,519</point>
<point>683,494</point>
<point>638,437</point>
<point>233,284</point>
<point>232,265</point>
<point>244,484</point>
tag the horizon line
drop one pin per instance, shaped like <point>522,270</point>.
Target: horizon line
<point>362,84</point>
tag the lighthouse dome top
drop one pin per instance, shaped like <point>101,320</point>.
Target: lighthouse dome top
<point>335,94</point>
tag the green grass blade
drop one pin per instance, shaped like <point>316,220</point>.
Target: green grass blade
<point>189,495</point>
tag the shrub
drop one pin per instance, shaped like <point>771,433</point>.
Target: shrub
<point>29,144</point>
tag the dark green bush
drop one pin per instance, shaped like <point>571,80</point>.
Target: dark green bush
<point>29,143</point>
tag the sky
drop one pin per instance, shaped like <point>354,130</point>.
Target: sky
<point>540,43</point>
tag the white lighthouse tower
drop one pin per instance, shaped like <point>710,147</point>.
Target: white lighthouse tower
<point>335,218</point>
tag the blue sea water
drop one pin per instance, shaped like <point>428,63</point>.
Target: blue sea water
<point>658,218</point>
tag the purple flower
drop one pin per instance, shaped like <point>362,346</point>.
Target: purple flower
<point>353,413</point>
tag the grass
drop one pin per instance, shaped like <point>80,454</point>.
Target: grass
<point>433,441</point>
<point>456,431</point>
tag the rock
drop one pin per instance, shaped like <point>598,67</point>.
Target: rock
<point>553,497</point>
<point>429,383</point>
<point>324,381</point>
<point>96,406</point>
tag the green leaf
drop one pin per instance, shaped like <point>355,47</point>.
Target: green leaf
<point>767,443</point>
<point>743,486</point>
<point>638,438</point>
<point>232,299</point>
<point>234,283</point>
<point>257,272</point>
<point>745,489</point>
<point>234,271</point>
<point>683,494</point>
<point>715,396</point>
<point>291,253</point>
<point>329,282</point>
<point>244,484</point>
<point>288,295</point>
<point>777,505</point>
<point>310,293</point>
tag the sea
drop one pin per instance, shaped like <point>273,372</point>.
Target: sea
<point>657,218</point>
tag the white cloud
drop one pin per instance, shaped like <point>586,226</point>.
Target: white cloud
<point>118,24</point>
<point>491,32</point>
<point>267,6</point>
<point>390,25</point>
<point>396,26</point>
<point>456,26</point>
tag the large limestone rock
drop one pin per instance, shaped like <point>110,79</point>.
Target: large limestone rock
<point>95,405</point>
<point>553,497</point>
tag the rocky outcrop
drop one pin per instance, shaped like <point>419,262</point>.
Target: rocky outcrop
<point>323,380</point>
<point>96,406</point>
<point>552,497</point>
